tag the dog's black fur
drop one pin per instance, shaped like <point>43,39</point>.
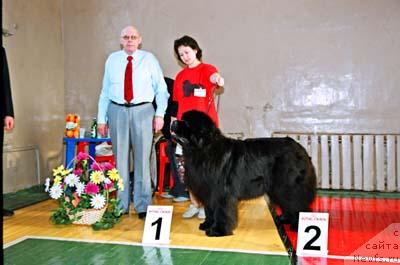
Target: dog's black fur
<point>221,171</point>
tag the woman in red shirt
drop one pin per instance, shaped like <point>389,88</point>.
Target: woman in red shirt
<point>194,89</point>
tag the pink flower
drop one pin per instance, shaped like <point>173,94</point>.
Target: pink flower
<point>78,171</point>
<point>82,156</point>
<point>108,186</point>
<point>91,188</point>
<point>108,166</point>
<point>97,166</point>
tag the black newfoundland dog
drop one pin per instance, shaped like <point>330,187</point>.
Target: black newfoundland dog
<point>221,171</point>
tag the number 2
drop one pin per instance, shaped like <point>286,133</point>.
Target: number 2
<point>308,245</point>
<point>157,222</point>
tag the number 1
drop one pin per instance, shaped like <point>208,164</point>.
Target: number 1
<point>157,222</point>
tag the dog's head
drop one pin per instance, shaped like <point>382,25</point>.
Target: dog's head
<point>196,129</point>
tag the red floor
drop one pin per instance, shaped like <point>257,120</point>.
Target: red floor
<point>352,223</point>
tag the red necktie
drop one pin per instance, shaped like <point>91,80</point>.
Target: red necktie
<point>128,85</point>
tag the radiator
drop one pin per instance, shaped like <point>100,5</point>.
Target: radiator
<point>369,162</point>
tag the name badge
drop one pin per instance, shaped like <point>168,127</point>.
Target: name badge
<point>199,92</point>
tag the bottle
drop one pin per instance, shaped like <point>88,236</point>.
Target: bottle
<point>93,128</point>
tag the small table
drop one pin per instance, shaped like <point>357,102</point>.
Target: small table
<point>71,143</point>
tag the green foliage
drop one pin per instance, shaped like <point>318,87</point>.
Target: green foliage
<point>111,216</point>
<point>60,217</point>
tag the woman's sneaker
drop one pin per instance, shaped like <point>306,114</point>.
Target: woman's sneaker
<point>167,196</point>
<point>202,213</point>
<point>180,199</point>
<point>191,211</point>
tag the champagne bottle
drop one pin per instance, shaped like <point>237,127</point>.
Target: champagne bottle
<point>93,128</point>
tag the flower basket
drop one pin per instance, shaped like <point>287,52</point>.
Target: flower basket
<point>82,191</point>
<point>87,216</point>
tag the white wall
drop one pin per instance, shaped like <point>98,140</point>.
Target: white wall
<point>289,65</point>
<point>35,58</point>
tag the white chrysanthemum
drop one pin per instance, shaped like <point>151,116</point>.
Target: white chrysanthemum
<point>56,192</point>
<point>107,181</point>
<point>80,187</point>
<point>98,201</point>
<point>47,185</point>
<point>71,180</point>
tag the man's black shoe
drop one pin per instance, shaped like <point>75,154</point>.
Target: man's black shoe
<point>142,215</point>
<point>8,212</point>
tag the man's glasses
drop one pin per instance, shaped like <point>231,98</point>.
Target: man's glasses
<point>130,37</point>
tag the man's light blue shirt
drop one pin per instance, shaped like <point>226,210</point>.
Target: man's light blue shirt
<point>148,82</point>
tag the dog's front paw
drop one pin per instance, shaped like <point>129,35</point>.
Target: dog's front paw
<point>217,232</point>
<point>204,225</point>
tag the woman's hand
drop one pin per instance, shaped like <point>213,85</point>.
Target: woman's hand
<point>217,79</point>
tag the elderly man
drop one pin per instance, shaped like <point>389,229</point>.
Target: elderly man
<point>132,78</point>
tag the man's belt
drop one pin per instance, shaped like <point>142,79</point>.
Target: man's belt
<point>128,105</point>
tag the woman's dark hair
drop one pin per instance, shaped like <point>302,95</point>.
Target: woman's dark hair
<point>189,42</point>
